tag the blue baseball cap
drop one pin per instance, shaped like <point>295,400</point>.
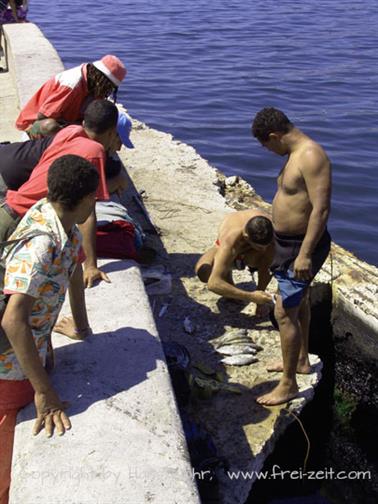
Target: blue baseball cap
<point>124,128</point>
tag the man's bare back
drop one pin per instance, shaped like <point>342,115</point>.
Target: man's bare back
<point>230,237</point>
<point>234,243</point>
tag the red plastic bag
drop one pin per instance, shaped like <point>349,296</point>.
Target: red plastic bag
<point>116,240</point>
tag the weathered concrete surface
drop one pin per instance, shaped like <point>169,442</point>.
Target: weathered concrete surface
<point>25,42</point>
<point>182,196</point>
<point>126,442</point>
<point>8,108</point>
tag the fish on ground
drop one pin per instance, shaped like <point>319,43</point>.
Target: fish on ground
<point>239,360</point>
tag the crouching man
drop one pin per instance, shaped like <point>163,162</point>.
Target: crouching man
<point>41,260</point>
<point>245,238</point>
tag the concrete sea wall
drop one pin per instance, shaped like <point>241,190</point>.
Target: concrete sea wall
<point>186,198</point>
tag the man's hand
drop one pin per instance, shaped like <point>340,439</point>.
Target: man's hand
<point>91,274</point>
<point>50,414</point>
<point>67,327</point>
<point>261,297</point>
<point>303,268</point>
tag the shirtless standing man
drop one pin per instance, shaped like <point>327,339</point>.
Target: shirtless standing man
<point>302,242</point>
<point>244,237</point>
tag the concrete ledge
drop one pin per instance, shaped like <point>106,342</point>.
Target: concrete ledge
<point>24,42</point>
<point>126,443</point>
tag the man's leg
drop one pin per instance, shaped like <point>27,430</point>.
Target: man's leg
<point>204,265</point>
<point>304,316</point>
<point>13,396</point>
<point>7,426</point>
<point>290,333</point>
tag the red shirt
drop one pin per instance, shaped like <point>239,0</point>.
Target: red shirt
<point>70,140</point>
<point>61,97</point>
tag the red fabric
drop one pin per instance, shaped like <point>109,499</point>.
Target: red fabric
<point>14,395</point>
<point>70,140</point>
<point>116,240</point>
<point>61,97</point>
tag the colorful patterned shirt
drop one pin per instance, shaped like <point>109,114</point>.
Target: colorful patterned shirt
<point>40,267</point>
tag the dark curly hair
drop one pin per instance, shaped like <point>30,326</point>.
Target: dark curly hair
<point>100,116</point>
<point>270,120</point>
<point>259,230</point>
<point>99,86</point>
<point>70,178</point>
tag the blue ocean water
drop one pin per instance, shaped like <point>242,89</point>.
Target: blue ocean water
<point>202,69</point>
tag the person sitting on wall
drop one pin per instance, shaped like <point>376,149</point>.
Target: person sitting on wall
<point>18,159</point>
<point>15,14</point>
<point>90,141</point>
<point>245,238</point>
<point>63,99</point>
<point>48,241</point>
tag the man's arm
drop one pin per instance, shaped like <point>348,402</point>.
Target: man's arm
<point>15,323</point>
<point>317,177</point>
<point>77,326</point>
<point>263,269</point>
<point>91,272</point>
<point>218,283</point>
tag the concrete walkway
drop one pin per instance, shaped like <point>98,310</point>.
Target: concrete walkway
<point>127,442</point>
<point>8,108</point>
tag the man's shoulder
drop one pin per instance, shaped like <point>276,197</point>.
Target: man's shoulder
<point>312,152</point>
<point>70,78</point>
<point>75,136</point>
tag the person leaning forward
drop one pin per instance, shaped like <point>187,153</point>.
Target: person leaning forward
<point>62,100</point>
<point>18,159</point>
<point>90,141</point>
<point>40,265</point>
<point>244,239</point>
<point>300,212</point>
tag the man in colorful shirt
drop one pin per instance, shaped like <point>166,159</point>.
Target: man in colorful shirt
<point>39,267</point>
<point>91,141</point>
<point>63,99</point>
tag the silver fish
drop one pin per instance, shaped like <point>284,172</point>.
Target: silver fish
<point>240,360</point>
<point>241,341</point>
<point>232,336</point>
<point>236,349</point>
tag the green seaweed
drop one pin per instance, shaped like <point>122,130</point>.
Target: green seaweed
<point>344,407</point>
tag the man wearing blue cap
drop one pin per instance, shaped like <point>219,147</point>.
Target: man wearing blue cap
<point>98,135</point>
<point>18,159</point>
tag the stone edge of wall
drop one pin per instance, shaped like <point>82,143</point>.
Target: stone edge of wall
<point>29,73</point>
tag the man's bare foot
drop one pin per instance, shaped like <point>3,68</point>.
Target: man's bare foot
<point>279,395</point>
<point>302,367</point>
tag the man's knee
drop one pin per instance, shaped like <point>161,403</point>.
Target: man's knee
<point>285,316</point>
<point>49,127</point>
<point>203,271</point>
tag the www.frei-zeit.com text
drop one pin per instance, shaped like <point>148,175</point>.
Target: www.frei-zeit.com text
<point>277,473</point>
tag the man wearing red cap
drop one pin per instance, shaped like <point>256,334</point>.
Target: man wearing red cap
<point>63,98</point>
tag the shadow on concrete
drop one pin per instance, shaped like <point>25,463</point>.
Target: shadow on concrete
<point>102,366</point>
<point>117,265</point>
<point>227,417</point>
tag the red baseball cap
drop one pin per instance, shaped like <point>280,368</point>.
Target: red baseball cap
<point>112,67</point>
